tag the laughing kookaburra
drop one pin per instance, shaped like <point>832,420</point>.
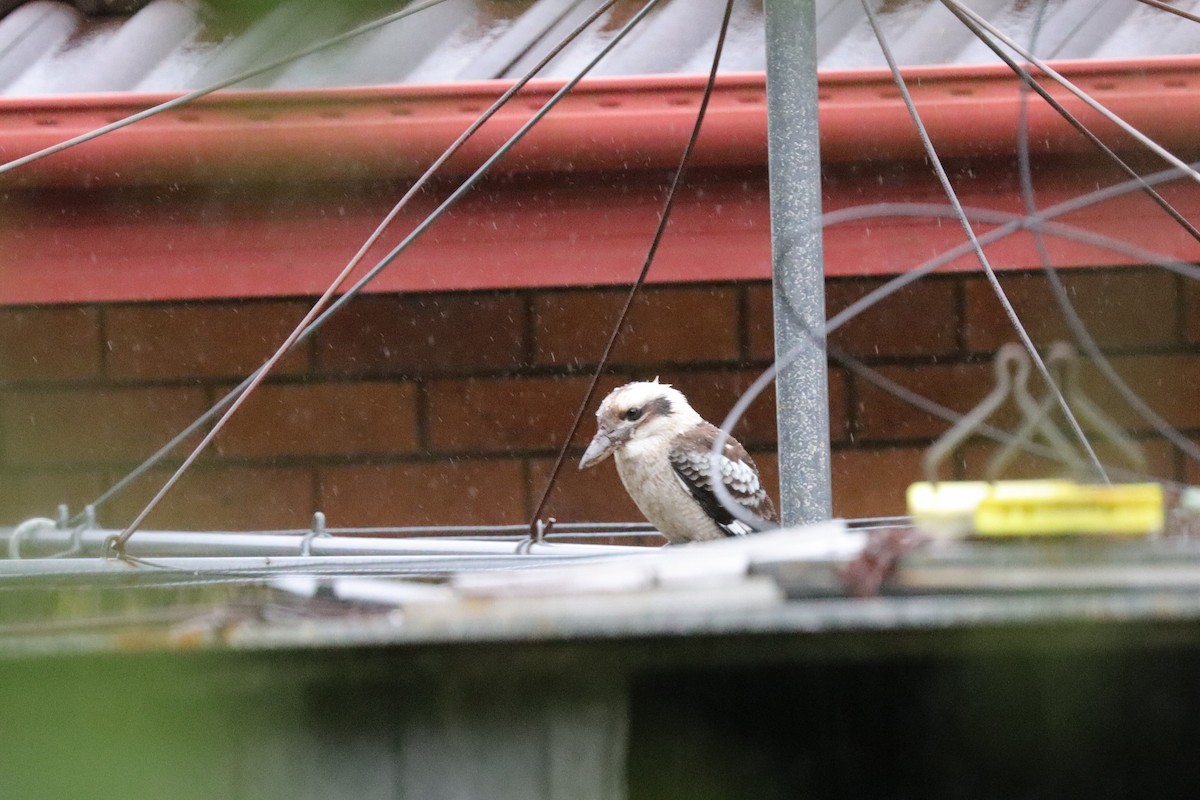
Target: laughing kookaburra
<point>662,448</point>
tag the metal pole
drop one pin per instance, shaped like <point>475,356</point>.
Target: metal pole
<point>46,540</point>
<point>196,568</point>
<point>797,267</point>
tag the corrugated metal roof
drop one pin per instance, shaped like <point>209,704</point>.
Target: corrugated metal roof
<point>49,47</point>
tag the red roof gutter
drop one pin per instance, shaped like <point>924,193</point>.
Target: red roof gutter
<point>172,241</point>
<point>606,124</point>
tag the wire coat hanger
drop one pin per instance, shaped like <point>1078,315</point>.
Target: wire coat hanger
<point>1012,367</point>
<point>1064,365</point>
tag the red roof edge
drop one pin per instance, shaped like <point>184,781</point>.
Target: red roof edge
<point>605,124</point>
<point>140,245</point>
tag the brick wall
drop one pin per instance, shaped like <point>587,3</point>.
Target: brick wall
<point>449,408</point>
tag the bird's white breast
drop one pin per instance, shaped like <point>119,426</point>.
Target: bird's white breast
<point>651,482</point>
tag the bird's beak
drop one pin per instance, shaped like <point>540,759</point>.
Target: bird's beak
<point>600,448</point>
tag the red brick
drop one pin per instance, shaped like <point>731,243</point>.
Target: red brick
<point>921,319</point>
<point>324,419</point>
<point>1167,383</point>
<point>227,498</point>
<point>760,322</point>
<point>425,334</point>
<point>474,492</point>
<point>1191,320</point>
<point>201,340</point>
<point>971,463</point>
<point>49,344</point>
<point>974,459</point>
<point>89,426</point>
<point>509,414</point>
<point>882,416</point>
<point>1191,470</point>
<point>591,495</point>
<point>1160,460</point>
<point>534,413</point>
<point>664,325</point>
<point>1121,308</point>
<point>37,494</point>
<point>839,405</point>
<point>872,483</point>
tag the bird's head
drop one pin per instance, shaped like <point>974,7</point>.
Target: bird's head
<point>637,413</point>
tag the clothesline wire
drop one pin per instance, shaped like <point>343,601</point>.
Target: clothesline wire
<point>993,280</point>
<point>323,304</point>
<point>1009,223</point>
<point>622,316</point>
<point>1162,6</point>
<point>192,96</point>
<point>818,340</point>
<point>1036,223</point>
<point>1032,221</point>
<point>964,13</point>
<point>1087,343</point>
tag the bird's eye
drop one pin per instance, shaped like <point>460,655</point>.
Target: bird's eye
<point>633,414</point>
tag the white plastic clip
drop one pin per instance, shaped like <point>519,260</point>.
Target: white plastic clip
<point>26,528</point>
<point>88,523</point>
<point>537,535</point>
<point>318,530</point>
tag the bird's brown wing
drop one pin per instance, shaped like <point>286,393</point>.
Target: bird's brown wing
<point>690,457</point>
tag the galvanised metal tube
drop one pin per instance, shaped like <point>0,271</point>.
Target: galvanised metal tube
<point>198,569</point>
<point>47,540</point>
<point>797,266</point>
